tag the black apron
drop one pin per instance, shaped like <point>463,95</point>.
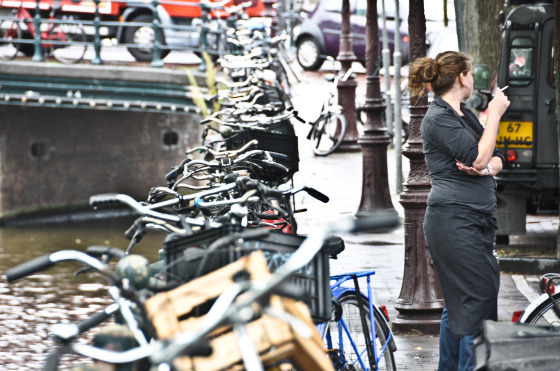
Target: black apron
<point>461,245</point>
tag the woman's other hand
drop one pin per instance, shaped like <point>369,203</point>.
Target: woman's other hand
<point>471,170</point>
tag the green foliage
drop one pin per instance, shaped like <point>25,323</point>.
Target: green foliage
<point>211,73</point>
<point>198,96</point>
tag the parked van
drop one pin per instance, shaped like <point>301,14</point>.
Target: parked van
<point>528,135</point>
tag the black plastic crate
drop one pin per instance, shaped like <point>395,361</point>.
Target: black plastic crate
<point>269,141</point>
<point>183,255</point>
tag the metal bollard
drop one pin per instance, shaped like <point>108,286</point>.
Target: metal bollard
<point>375,141</point>
<point>156,26</point>
<point>38,55</point>
<point>203,36</point>
<point>347,89</point>
<point>96,38</point>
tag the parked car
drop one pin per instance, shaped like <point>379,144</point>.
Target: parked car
<point>319,34</point>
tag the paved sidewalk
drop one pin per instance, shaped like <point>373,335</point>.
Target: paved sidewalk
<point>340,177</point>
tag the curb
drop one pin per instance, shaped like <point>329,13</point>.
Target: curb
<point>529,265</point>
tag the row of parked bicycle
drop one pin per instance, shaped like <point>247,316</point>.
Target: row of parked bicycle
<point>236,285</point>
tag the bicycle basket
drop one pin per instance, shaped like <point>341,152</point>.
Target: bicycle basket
<point>268,141</point>
<point>184,254</point>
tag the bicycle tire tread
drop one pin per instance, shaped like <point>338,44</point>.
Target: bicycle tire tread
<point>541,310</point>
<point>381,327</point>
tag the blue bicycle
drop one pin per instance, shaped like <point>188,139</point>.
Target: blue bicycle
<point>357,337</point>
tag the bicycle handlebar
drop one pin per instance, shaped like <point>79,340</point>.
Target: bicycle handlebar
<point>28,268</point>
<point>254,93</point>
<point>46,261</point>
<point>99,251</point>
<point>313,193</point>
<point>98,318</point>
<point>253,122</point>
<point>238,84</point>
<point>227,162</point>
<point>227,153</point>
<point>277,156</point>
<point>244,63</point>
<point>172,175</point>
<point>117,198</point>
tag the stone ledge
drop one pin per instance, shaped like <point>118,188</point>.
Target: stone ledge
<point>529,265</point>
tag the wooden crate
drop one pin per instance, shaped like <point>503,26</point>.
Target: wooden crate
<point>171,314</point>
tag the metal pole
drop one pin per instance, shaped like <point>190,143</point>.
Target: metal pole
<point>347,89</point>
<point>203,36</point>
<point>292,20</point>
<point>96,38</point>
<point>38,55</point>
<point>386,53</point>
<point>397,62</point>
<point>460,25</point>
<point>420,301</point>
<point>156,26</point>
<point>375,181</point>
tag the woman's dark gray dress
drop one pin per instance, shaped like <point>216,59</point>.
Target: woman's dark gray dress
<point>459,224</point>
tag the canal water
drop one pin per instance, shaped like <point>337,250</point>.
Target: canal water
<point>30,306</point>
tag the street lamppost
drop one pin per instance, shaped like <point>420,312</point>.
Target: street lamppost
<point>375,141</point>
<point>420,301</point>
<point>347,88</point>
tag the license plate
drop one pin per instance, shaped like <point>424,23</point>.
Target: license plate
<point>516,134</point>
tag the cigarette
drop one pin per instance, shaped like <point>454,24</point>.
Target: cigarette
<point>504,88</point>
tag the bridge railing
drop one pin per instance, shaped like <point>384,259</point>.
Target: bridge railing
<point>206,33</point>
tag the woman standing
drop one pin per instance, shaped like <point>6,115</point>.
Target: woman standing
<point>459,224</point>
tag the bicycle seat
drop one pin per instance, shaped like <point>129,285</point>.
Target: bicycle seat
<point>333,246</point>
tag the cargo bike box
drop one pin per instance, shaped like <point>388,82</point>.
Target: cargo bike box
<point>277,342</point>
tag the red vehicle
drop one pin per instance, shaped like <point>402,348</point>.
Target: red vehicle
<point>170,13</point>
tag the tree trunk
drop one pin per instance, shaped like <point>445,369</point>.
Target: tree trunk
<point>482,31</point>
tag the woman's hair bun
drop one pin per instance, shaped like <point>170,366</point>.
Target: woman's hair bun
<point>439,73</point>
<point>431,70</point>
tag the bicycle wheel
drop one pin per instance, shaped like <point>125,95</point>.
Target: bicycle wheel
<point>541,313</point>
<point>347,346</point>
<point>9,31</point>
<point>327,133</point>
<point>282,77</point>
<point>70,34</point>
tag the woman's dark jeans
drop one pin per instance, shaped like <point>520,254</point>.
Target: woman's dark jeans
<point>454,354</point>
